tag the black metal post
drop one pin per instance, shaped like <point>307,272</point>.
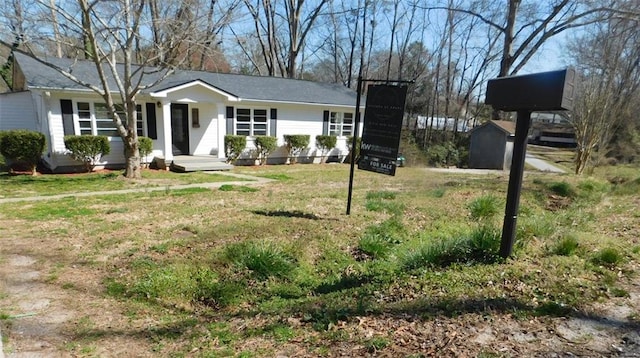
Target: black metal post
<point>515,183</point>
<point>354,144</point>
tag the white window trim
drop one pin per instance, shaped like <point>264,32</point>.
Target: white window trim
<point>93,121</point>
<point>251,120</point>
<point>339,125</point>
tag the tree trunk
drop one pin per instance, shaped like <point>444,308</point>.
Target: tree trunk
<point>133,169</point>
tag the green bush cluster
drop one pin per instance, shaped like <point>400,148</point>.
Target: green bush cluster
<point>233,147</point>
<point>325,143</point>
<point>22,148</point>
<point>87,149</point>
<point>296,143</point>
<point>265,145</point>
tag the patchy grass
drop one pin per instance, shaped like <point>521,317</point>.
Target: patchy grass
<point>228,272</point>
<point>12,186</point>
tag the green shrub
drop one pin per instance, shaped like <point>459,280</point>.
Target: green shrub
<point>325,143</point>
<point>145,145</point>
<point>263,259</point>
<point>354,152</point>
<point>296,143</point>
<point>22,148</point>
<point>233,147</point>
<point>484,208</point>
<point>265,145</point>
<point>87,149</point>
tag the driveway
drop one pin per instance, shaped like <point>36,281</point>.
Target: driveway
<point>542,165</point>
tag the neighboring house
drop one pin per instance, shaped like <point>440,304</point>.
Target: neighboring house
<point>189,113</point>
<point>492,145</point>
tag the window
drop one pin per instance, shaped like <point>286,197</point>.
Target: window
<point>94,119</point>
<point>251,122</point>
<point>340,124</point>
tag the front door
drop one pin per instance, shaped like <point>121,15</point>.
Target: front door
<point>180,128</point>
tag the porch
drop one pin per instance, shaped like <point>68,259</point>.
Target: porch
<point>193,163</point>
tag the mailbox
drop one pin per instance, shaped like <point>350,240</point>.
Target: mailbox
<point>544,91</point>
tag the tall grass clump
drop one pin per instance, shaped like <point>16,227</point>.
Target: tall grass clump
<point>563,189</point>
<point>481,245</point>
<point>484,208</point>
<point>263,259</point>
<point>607,257</point>
<point>566,246</point>
<point>173,283</point>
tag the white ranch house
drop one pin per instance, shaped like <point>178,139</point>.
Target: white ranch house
<point>188,114</point>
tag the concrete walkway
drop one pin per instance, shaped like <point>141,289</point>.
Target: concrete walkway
<point>249,180</point>
<point>542,165</point>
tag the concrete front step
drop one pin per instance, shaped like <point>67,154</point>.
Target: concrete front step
<point>185,163</point>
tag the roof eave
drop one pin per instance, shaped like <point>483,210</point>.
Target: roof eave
<point>165,92</point>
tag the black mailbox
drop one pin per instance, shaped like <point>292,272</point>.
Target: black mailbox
<point>545,91</point>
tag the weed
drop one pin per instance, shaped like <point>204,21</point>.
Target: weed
<point>376,343</point>
<point>437,193</point>
<point>378,240</point>
<point>566,246</point>
<point>607,257</point>
<point>484,208</point>
<point>263,259</point>
<point>563,189</point>
<point>382,195</point>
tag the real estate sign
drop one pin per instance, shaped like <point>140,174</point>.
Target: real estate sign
<point>382,125</point>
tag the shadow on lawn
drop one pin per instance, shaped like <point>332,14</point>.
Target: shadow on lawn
<point>288,214</point>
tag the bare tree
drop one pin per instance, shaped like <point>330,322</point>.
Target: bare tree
<point>110,33</point>
<point>609,68</point>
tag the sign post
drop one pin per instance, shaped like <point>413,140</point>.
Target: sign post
<point>547,91</point>
<point>384,112</point>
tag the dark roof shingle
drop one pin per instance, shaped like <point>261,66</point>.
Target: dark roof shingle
<point>259,88</point>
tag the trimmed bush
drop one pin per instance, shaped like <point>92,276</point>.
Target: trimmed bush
<point>22,148</point>
<point>325,143</point>
<point>265,145</point>
<point>353,153</point>
<point>145,145</point>
<point>296,143</point>
<point>87,149</point>
<point>233,147</point>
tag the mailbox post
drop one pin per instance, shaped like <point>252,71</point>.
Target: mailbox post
<point>546,91</point>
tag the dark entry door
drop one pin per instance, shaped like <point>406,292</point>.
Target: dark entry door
<point>180,128</point>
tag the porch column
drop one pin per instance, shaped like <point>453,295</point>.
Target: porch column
<point>167,146</point>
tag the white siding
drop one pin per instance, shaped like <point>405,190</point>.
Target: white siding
<point>17,111</point>
<point>204,140</point>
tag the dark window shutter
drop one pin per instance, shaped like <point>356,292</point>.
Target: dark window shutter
<point>272,126</point>
<point>66,107</point>
<point>325,123</point>
<point>230,115</point>
<point>152,124</point>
